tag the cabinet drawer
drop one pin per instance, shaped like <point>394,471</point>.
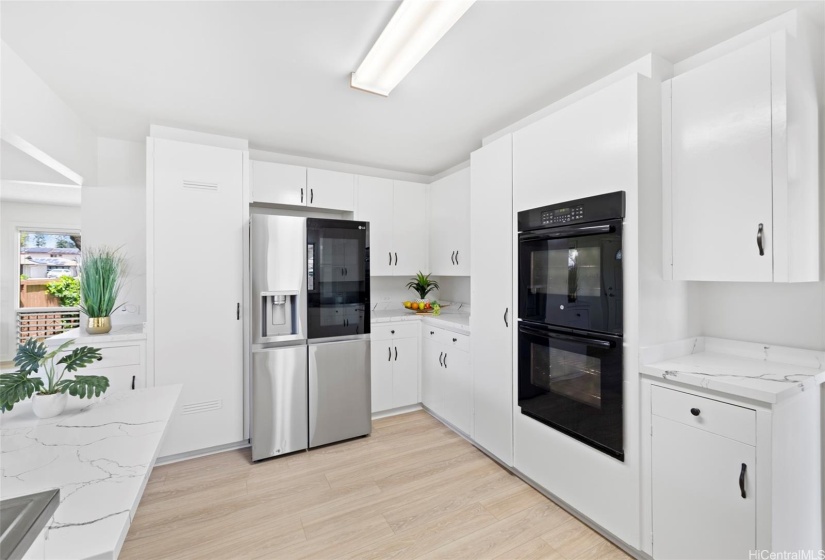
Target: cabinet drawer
<point>114,356</point>
<point>448,338</point>
<point>389,331</point>
<point>716,417</point>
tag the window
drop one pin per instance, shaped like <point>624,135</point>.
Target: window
<point>49,264</point>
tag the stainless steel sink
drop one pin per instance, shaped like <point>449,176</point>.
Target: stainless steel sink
<point>21,520</point>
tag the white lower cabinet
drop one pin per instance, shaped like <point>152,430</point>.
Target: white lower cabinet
<point>394,362</point>
<point>729,477</point>
<point>122,363</point>
<point>446,383</point>
<point>703,484</point>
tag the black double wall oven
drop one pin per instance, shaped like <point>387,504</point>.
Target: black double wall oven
<point>570,373</point>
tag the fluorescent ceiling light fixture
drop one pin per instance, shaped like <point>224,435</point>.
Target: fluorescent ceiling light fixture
<point>414,29</point>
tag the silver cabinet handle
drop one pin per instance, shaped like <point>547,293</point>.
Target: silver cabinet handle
<point>759,240</point>
<point>396,259</point>
<point>439,358</point>
<point>456,257</point>
<point>390,254</point>
<point>389,354</point>
<point>396,353</point>
<point>506,310</point>
<point>311,195</point>
<point>452,257</point>
<point>445,359</point>
<point>302,195</point>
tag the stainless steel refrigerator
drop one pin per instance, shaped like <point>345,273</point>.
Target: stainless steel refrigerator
<point>310,333</point>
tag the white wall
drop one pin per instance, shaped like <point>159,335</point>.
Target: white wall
<point>14,216</point>
<point>453,288</point>
<point>391,291</point>
<point>33,112</point>
<point>114,214</point>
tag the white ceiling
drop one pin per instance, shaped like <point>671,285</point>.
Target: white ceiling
<point>277,72</point>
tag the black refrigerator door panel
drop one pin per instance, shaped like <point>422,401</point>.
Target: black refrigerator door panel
<point>337,278</point>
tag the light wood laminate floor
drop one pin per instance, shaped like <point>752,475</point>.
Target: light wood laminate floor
<point>413,489</point>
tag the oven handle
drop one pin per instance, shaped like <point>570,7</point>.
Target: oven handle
<point>572,338</point>
<point>554,233</point>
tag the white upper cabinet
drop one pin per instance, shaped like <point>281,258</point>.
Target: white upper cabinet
<point>410,233</point>
<point>278,183</point>
<point>397,213</point>
<point>740,167</point>
<point>330,189</point>
<point>450,225</point>
<point>375,205</point>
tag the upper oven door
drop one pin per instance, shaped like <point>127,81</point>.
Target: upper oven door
<point>573,382</point>
<point>572,276</point>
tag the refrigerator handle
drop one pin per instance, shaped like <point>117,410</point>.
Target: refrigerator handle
<point>238,312</point>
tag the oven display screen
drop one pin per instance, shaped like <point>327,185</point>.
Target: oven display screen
<point>562,215</point>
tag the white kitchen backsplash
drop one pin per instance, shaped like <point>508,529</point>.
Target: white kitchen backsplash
<point>389,292</point>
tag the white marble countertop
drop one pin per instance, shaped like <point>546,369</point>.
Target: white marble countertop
<point>119,333</point>
<point>99,454</point>
<point>451,318</point>
<point>760,372</point>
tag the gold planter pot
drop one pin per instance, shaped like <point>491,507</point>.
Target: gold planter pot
<point>99,325</point>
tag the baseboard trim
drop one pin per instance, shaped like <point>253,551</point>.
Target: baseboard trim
<point>168,459</point>
<point>396,411</point>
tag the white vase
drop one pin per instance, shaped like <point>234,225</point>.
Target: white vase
<point>49,406</point>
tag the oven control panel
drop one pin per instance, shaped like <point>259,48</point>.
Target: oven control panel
<point>562,215</point>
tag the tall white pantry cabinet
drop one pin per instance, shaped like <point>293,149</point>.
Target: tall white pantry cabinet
<point>195,225</point>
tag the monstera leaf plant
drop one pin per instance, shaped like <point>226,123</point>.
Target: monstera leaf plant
<point>32,356</point>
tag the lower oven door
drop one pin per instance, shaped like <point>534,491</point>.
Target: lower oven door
<point>572,381</point>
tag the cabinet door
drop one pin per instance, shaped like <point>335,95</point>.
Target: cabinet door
<point>450,225</point>
<point>460,221</point>
<point>209,180</point>
<point>331,189</point>
<point>698,508</point>
<point>459,393</point>
<point>375,205</point>
<point>410,234</point>
<point>382,375</point>
<point>278,183</point>
<point>441,251</point>
<point>491,270</point>
<point>721,168</point>
<point>433,388</point>
<point>405,372</point>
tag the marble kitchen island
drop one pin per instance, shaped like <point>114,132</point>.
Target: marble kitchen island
<point>99,454</point>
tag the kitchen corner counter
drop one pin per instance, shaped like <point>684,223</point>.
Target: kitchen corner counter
<point>119,333</point>
<point>759,372</point>
<point>457,321</point>
<point>99,454</point>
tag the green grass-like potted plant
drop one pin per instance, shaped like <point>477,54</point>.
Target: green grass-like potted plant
<point>49,396</point>
<point>100,285</point>
<point>422,285</point>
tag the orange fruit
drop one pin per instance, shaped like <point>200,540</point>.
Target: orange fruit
<point>415,305</point>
